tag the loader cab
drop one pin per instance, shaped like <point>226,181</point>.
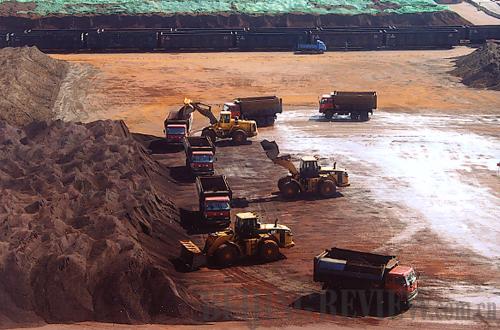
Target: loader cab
<point>246,224</point>
<point>309,167</point>
<point>225,118</point>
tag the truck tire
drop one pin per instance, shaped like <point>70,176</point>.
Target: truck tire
<point>329,114</point>
<point>364,117</point>
<point>209,134</point>
<point>226,255</point>
<point>290,189</point>
<point>327,188</point>
<point>269,251</point>
<point>355,116</point>
<point>282,181</point>
<point>239,137</point>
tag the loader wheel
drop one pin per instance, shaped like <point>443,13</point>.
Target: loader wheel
<point>226,255</point>
<point>282,182</point>
<point>269,251</point>
<point>290,189</point>
<point>327,188</point>
<point>209,134</point>
<point>239,137</point>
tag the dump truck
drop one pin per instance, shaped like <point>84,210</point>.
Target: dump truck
<point>357,105</point>
<point>200,155</point>
<point>309,178</point>
<point>318,47</point>
<point>226,127</point>
<point>214,197</point>
<point>262,109</point>
<point>177,126</point>
<point>249,238</point>
<point>341,269</point>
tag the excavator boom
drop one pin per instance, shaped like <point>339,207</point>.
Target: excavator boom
<point>204,109</point>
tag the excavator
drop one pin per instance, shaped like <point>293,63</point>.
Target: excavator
<point>309,178</point>
<point>223,128</point>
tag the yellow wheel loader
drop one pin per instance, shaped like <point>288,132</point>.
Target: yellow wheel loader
<point>309,178</point>
<point>249,238</point>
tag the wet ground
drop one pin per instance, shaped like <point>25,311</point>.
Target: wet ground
<point>424,177</point>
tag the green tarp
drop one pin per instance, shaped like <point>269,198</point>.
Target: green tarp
<point>134,7</point>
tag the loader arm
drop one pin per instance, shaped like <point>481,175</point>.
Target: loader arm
<point>204,109</point>
<point>285,162</point>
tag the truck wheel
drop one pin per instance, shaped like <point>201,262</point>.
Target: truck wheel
<point>226,255</point>
<point>327,188</point>
<point>239,137</point>
<point>282,181</point>
<point>329,115</point>
<point>290,189</point>
<point>364,117</point>
<point>209,134</point>
<point>355,116</point>
<point>269,251</point>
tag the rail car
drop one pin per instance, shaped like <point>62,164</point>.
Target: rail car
<point>49,40</point>
<point>270,41</point>
<point>348,40</point>
<point>419,39</point>
<point>478,34</point>
<point>101,40</point>
<point>197,41</point>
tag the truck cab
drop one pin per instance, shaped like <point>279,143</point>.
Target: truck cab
<point>175,133</point>
<point>217,209</point>
<point>234,108</point>
<point>326,103</point>
<point>202,162</point>
<point>402,281</point>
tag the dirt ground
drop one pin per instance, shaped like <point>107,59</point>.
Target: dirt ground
<point>472,14</point>
<point>425,183</point>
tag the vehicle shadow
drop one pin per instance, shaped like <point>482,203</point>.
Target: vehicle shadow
<point>349,303</point>
<point>156,145</point>
<point>339,119</point>
<point>230,143</point>
<point>193,223</point>
<point>181,174</point>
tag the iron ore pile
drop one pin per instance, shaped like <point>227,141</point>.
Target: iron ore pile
<point>481,69</point>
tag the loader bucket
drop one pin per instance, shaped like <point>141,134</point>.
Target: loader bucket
<point>271,148</point>
<point>191,255</point>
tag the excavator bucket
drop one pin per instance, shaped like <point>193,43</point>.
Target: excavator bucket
<point>191,255</point>
<point>271,148</point>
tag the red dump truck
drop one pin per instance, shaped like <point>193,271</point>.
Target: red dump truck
<point>341,269</point>
<point>357,105</point>
<point>215,199</point>
<point>262,109</point>
<point>200,155</point>
<point>177,126</point>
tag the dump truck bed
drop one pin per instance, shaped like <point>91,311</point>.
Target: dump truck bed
<point>354,100</point>
<point>213,186</point>
<point>198,143</point>
<point>349,264</point>
<point>260,106</point>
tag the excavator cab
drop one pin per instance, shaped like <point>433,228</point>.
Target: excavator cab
<point>309,167</point>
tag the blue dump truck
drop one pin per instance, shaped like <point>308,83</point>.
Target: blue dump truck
<point>317,47</point>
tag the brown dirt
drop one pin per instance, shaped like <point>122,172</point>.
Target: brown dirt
<point>30,83</point>
<point>88,225</point>
<point>481,69</point>
<point>227,21</point>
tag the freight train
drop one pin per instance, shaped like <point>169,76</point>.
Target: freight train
<point>248,39</point>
